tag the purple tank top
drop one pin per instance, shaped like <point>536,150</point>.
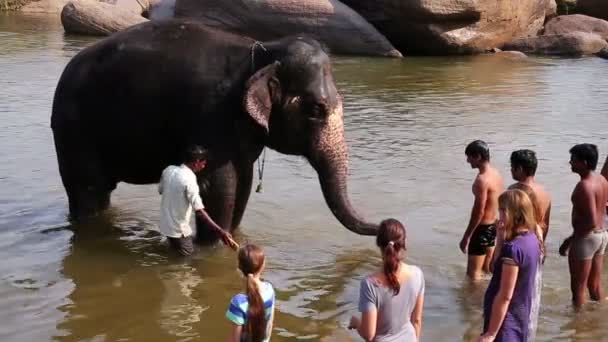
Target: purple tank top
<point>520,320</point>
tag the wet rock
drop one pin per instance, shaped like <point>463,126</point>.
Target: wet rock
<point>577,23</point>
<point>453,26</point>
<point>603,53</point>
<point>97,18</point>
<point>569,44</point>
<point>594,8</point>
<point>511,54</point>
<point>330,21</point>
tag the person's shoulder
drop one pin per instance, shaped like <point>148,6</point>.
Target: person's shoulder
<point>600,179</point>
<point>541,190</point>
<point>371,280</point>
<point>584,187</point>
<point>239,299</point>
<point>415,269</point>
<point>168,168</point>
<point>495,176</point>
<point>268,286</point>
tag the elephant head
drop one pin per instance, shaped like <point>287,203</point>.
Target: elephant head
<point>295,101</point>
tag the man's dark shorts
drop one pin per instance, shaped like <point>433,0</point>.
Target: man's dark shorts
<point>483,237</point>
<point>182,245</point>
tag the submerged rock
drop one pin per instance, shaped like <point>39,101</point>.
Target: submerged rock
<point>511,54</point>
<point>330,21</point>
<point>97,18</point>
<point>569,44</point>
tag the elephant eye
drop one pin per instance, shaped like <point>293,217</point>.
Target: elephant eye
<point>317,110</point>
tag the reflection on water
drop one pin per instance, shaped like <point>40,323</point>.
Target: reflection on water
<point>407,123</point>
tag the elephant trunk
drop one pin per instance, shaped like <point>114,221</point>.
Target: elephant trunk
<point>330,160</point>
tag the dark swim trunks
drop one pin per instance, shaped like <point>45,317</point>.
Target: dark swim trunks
<point>483,237</point>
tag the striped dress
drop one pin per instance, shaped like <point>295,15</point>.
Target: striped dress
<point>239,305</point>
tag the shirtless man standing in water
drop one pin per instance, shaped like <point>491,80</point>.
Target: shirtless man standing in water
<point>587,245</point>
<point>480,237</point>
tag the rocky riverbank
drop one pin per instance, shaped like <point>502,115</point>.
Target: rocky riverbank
<point>390,28</point>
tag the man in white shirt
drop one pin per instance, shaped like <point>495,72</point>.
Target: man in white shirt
<point>180,196</point>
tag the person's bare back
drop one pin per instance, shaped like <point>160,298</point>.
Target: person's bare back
<point>493,185</point>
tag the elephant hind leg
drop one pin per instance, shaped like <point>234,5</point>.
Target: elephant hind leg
<point>88,188</point>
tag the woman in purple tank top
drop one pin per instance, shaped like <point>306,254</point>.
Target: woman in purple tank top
<point>511,300</point>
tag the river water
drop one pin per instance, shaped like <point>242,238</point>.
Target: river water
<point>407,122</point>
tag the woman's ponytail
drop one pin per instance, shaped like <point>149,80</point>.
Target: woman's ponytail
<point>391,240</point>
<point>256,317</point>
<point>391,265</point>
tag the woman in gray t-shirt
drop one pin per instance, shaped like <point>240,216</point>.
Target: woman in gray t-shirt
<point>391,301</point>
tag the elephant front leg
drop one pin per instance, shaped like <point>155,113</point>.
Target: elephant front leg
<point>219,199</point>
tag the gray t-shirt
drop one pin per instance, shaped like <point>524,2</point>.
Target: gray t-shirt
<point>394,312</point>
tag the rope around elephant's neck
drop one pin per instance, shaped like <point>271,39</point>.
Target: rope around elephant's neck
<point>261,170</point>
<point>261,164</point>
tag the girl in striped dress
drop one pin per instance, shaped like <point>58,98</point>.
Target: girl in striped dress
<point>252,312</point>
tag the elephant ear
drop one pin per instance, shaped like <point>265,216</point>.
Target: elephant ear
<point>260,90</point>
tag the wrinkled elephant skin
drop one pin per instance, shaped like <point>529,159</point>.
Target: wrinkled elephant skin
<point>129,105</point>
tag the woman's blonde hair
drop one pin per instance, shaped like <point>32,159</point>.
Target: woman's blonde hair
<point>519,213</point>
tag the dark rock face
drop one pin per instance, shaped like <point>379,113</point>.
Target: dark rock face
<point>594,8</point>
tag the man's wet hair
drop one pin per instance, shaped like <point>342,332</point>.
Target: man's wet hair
<point>526,160</point>
<point>586,153</point>
<point>195,153</point>
<point>478,148</point>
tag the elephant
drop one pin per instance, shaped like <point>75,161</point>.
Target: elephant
<point>128,105</point>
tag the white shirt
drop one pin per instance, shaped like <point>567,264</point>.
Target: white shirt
<point>180,195</point>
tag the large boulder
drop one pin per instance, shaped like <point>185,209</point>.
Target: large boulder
<point>453,26</point>
<point>330,21</point>
<point>569,44</point>
<point>594,8</point>
<point>576,23</point>
<point>91,17</point>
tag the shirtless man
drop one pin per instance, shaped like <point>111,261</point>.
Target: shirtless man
<point>523,169</point>
<point>586,246</point>
<point>479,238</point>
